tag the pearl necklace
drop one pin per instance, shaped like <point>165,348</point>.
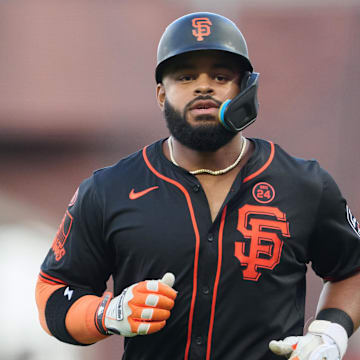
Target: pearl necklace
<point>207,171</point>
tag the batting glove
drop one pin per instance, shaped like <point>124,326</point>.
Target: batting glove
<point>325,340</point>
<point>140,309</point>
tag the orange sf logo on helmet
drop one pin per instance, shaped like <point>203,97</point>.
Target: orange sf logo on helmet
<point>202,28</point>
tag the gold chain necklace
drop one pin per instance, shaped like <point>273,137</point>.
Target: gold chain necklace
<point>207,171</point>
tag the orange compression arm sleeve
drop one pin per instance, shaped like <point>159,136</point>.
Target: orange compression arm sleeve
<point>79,320</point>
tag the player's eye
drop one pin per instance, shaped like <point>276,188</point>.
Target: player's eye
<point>221,78</point>
<point>185,77</point>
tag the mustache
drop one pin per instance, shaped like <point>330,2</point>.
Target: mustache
<point>206,97</point>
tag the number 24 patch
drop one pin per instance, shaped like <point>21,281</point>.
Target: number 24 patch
<point>263,192</point>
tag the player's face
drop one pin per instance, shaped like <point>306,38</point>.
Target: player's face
<point>194,86</point>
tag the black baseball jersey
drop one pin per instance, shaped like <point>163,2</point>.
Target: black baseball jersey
<point>240,278</point>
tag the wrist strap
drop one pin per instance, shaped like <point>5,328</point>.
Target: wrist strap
<point>101,313</point>
<point>337,316</point>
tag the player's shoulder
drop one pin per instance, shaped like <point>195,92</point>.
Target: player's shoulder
<point>127,169</point>
<point>306,165</point>
<point>124,165</point>
<point>288,165</point>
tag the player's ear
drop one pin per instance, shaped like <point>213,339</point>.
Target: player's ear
<point>160,95</point>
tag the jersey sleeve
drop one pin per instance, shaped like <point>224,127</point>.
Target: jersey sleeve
<point>335,244</point>
<point>79,255</point>
<point>74,273</point>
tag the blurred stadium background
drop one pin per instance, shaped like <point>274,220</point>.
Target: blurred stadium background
<point>78,93</point>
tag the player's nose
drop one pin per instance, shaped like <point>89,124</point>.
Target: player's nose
<point>203,85</point>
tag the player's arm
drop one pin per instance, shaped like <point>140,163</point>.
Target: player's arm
<point>334,251</point>
<point>337,318</point>
<point>74,272</point>
<point>67,313</point>
<point>70,292</point>
<point>75,317</point>
<point>345,296</point>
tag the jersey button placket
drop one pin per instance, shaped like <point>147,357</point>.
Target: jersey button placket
<point>205,290</point>
<point>210,237</point>
<point>199,340</point>
<point>196,188</point>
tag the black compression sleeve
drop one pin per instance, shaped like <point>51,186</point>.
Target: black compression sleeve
<point>56,309</point>
<point>337,316</point>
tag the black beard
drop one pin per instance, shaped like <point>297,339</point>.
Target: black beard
<point>206,137</point>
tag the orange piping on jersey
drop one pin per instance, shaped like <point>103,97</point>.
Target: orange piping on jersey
<point>216,284</point>
<point>50,279</point>
<point>265,166</point>
<point>42,293</point>
<point>197,245</point>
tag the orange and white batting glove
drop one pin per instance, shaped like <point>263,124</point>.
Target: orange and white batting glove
<point>325,340</point>
<point>142,308</point>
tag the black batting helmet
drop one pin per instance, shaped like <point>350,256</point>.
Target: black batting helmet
<point>208,31</point>
<point>201,31</point>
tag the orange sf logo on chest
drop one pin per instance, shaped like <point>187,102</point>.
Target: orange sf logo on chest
<point>202,28</point>
<point>262,225</point>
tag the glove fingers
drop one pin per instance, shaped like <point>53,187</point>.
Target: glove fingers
<point>154,287</point>
<point>166,290</point>
<point>156,326</point>
<point>284,347</point>
<point>152,300</point>
<point>320,343</point>
<point>160,315</point>
<point>168,279</point>
<point>138,313</point>
<point>144,328</point>
<point>142,308</point>
<point>306,346</point>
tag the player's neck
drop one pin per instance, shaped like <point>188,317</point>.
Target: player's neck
<point>190,159</point>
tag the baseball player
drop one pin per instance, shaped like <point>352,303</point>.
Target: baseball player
<point>207,234</point>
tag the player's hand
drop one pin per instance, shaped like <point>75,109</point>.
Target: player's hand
<point>142,308</point>
<point>324,341</point>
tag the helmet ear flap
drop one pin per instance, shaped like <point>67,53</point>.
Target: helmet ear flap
<point>244,83</point>
<point>238,113</point>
